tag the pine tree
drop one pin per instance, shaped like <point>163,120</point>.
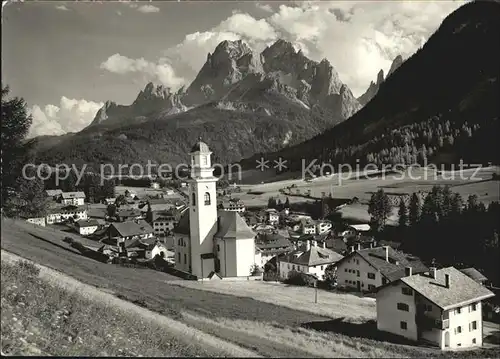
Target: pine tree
<point>415,209</point>
<point>379,209</point>
<point>403,213</point>
<point>271,202</point>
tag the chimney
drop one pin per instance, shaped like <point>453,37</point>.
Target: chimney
<point>359,246</point>
<point>352,249</point>
<point>408,271</point>
<point>386,253</point>
<point>432,271</point>
<point>315,243</point>
<point>447,280</point>
<point>371,244</point>
<point>308,245</point>
<point>324,244</point>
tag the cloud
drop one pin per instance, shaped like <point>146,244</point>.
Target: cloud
<point>264,7</point>
<point>148,9</point>
<point>158,72</point>
<point>62,8</point>
<point>358,37</point>
<point>69,116</point>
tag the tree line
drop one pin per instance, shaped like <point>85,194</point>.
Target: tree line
<point>443,227</point>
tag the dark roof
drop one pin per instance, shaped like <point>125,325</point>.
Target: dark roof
<point>398,261</point>
<point>312,257</point>
<point>474,274</point>
<point>68,195</point>
<point>129,213</point>
<point>162,215</point>
<point>232,226</point>
<point>337,244</point>
<point>270,252</point>
<point>461,290</point>
<point>183,226</point>
<point>272,241</point>
<point>132,228</point>
<point>200,147</point>
<point>87,223</point>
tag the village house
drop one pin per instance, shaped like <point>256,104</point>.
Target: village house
<point>233,204</point>
<point>366,269</point>
<point>147,248</point>
<point>86,227</point>
<point>354,230</point>
<point>163,222</point>
<point>272,216</point>
<point>155,185</point>
<point>108,201</point>
<point>53,194</point>
<point>323,227</point>
<point>476,275</point>
<point>62,214</point>
<point>314,260</point>
<point>72,198</point>
<point>39,221</point>
<point>211,243</point>
<point>121,233</point>
<point>441,307</point>
<point>130,214</point>
<point>307,226</point>
<point>271,245</point>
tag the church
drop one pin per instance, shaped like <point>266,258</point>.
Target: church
<point>209,242</point>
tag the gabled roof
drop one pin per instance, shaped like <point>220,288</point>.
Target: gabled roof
<point>70,195</point>
<point>162,215</point>
<point>232,226</point>
<point>53,192</point>
<point>360,227</point>
<point>129,213</point>
<point>313,257</point>
<point>392,269</point>
<point>269,241</point>
<point>132,228</point>
<point>474,274</point>
<point>462,290</point>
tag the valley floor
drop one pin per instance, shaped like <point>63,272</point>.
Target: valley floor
<point>246,322</point>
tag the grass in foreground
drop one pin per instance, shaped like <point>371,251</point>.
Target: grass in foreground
<point>40,319</point>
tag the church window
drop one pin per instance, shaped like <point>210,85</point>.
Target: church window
<point>207,199</point>
<point>194,199</point>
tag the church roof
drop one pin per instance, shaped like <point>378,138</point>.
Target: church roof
<point>232,226</point>
<point>200,147</point>
<point>183,226</point>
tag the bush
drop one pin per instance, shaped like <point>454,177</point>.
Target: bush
<point>299,278</point>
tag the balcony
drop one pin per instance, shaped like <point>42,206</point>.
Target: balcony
<point>427,322</point>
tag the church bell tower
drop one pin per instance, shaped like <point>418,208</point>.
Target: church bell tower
<point>202,210</point>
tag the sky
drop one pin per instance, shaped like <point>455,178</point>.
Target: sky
<point>67,58</point>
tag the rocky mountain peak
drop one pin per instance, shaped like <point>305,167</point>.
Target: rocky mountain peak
<point>380,77</point>
<point>153,92</point>
<point>398,61</point>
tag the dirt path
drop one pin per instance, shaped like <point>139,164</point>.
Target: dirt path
<point>174,327</point>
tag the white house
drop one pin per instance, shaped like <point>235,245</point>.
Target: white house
<point>86,227</point>
<point>40,221</point>
<point>72,198</point>
<point>271,245</point>
<point>155,185</point>
<point>441,307</point>
<point>234,204</point>
<point>367,269</point>
<point>308,226</point>
<point>123,232</point>
<point>163,222</point>
<point>54,194</point>
<point>61,214</point>
<point>208,241</point>
<point>272,215</point>
<point>312,261</point>
<point>323,227</point>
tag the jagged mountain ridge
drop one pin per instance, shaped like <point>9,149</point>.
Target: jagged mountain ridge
<point>233,64</point>
<point>374,86</point>
<point>450,107</point>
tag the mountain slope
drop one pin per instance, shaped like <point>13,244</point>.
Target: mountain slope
<point>441,104</point>
<point>236,91</point>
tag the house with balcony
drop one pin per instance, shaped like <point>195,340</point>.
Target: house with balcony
<point>440,307</point>
<point>234,205</point>
<point>366,269</point>
<point>163,222</point>
<point>62,214</point>
<point>307,226</point>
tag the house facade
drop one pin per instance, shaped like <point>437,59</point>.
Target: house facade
<point>86,227</point>
<point>234,204</point>
<point>366,269</point>
<point>62,214</point>
<point>323,227</point>
<point>440,307</point>
<point>72,198</point>
<point>313,261</point>
<point>163,222</point>
<point>39,221</point>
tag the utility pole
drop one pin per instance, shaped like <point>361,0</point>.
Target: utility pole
<point>316,291</point>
